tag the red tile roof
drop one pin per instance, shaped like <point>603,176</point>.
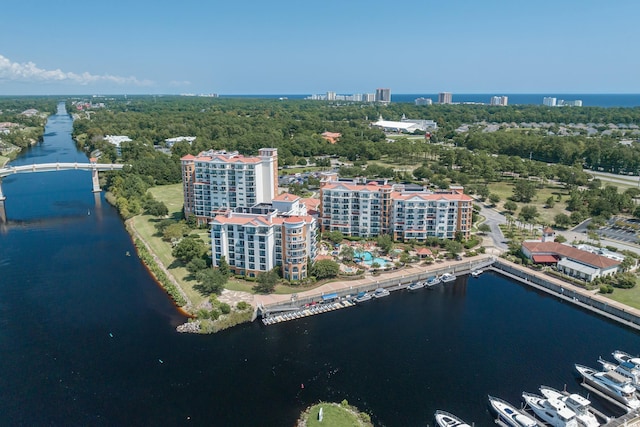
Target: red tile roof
<point>555,248</point>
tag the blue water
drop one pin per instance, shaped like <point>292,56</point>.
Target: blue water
<point>88,339</point>
<point>369,259</point>
<point>588,100</point>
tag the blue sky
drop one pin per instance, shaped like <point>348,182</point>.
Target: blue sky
<point>304,47</point>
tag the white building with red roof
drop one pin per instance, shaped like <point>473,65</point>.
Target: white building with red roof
<point>216,181</point>
<point>569,260</point>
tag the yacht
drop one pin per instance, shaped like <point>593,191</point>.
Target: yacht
<point>612,384</point>
<point>477,273</point>
<point>622,357</point>
<point>576,403</point>
<point>432,281</point>
<point>363,296</point>
<point>447,277</point>
<point>627,369</point>
<point>509,415</point>
<point>380,292</point>
<point>552,411</point>
<point>415,286</point>
<point>445,419</point>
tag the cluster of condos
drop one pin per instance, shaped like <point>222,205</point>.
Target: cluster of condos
<point>256,229</point>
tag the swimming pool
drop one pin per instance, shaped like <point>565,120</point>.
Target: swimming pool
<point>368,259</point>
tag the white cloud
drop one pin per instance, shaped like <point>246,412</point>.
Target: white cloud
<point>29,72</point>
<point>179,83</point>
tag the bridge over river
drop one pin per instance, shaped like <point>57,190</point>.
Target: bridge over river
<point>92,166</point>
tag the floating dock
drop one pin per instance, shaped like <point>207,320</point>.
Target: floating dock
<point>306,311</point>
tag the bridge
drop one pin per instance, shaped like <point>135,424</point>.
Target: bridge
<point>92,166</point>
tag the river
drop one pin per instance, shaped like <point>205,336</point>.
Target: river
<point>88,338</point>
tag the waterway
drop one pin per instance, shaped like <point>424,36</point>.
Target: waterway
<point>87,338</point>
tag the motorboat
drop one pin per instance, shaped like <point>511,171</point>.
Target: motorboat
<point>416,286</point>
<point>578,404</point>
<point>380,292</point>
<point>477,273</point>
<point>447,277</point>
<point>622,357</point>
<point>432,281</point>
<point>510,415</point>
<point>445,419</point>
<point>363,296</point>
<point>626,369</point>
<point>552,411</point>
<point>612,384</point>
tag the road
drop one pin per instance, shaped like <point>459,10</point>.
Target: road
<point>494,218</point>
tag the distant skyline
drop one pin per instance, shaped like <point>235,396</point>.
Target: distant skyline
<point>292,47</point>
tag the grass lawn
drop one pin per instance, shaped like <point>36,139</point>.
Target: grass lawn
<point>630,297</point>
<point>3,160</point>
<point>172,196</point>
<point>333,415</point>
<point>504,189</point>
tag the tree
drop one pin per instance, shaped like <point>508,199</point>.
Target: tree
<point>528,213</point>
<point>494,198</point>
<point>196,265</point>
<point>454,248</point>
<point>524,191</point>
<point>223,267</point>
<point>560,239</point>
<point>484,228</point>
<point>267,282</point>
<point>550,202</point>
<point>156,208</point>
<point>385,242</point>
<point>334,237</point>
<point>510,206</point>
<point>347,253</point>
<point>189,249</point>
<point>325,269</point>
<point>175,231</point>
<point>210,281</point>
<point>483,192</point>
<point>562,220</point>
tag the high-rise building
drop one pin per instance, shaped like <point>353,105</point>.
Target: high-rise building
<point>423,101</point>
<point>383,95</point>
<point>499,100</point>
<point>549,101</point>
<point>369,97</point>
<point>217,181</point>
<point>331,96</point>
<point>370,209</point>
<point>445,98</point>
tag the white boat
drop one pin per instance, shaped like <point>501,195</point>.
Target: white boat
<point>477,273</point>
<point>612,384</point>
<point>509,415</point>
<point>626,369</point>
<point>622,357</point>
<point>447,277</point>
<point>552,411</point>
<point>432,281</point>
<point>415,286</point>
<point>363,296</point>
<point>576,403</point>
<point>445,419</point>
<point>380,292</point>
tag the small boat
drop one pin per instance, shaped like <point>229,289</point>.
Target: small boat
<point>477,273</point>
<point>509,415</point>
<point>363,296</point>
<point>127,253</point>
<point>445,419</point>
<point>627,369</point>
<point>578,404</point>
<point>415,286</point>
<point>447,277</point>
<point>612,384</point>
<point>432,281</point>
<point>552,411</point>
<point>380,292</point>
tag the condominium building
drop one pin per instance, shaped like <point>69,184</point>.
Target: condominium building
<point>383,95</point>
<point>445,98</point>
<point>217,181</point>
<point>370,209</point>
<point>499,100</point>
<point>423,214</point>
<point>549,101</point>
<point>257,239</point>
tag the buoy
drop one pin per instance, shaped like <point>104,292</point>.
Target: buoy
<point>160,360</point>
<point>110,334</point>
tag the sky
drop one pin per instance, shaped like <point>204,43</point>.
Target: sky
<point>305,47</point>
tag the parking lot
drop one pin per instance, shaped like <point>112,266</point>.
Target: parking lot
<point>621,229</point>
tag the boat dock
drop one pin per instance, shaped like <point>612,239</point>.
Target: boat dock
<point>306,311</point>
<point>628,420</point>
<point>586,384</point>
